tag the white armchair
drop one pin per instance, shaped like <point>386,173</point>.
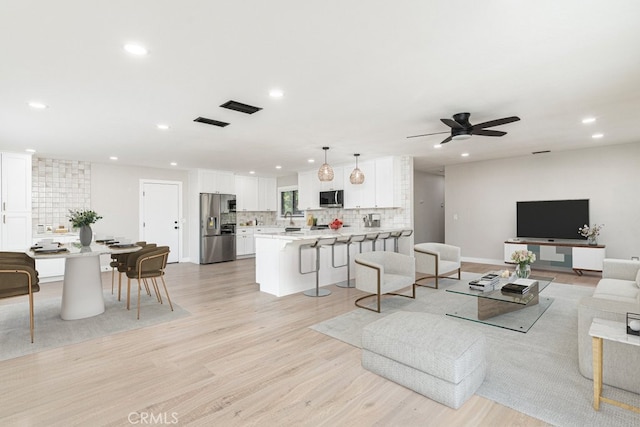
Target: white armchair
<point>384,272</point>
<point>435,260</point>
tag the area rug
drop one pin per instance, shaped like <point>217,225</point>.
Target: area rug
<point>534,373</point>
<point>51,331</point>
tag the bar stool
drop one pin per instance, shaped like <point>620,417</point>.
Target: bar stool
<point>370,237</point>
<point>397,235</point>
<point>384,236</point>
<point>355,238</point>
<point>317,245</point>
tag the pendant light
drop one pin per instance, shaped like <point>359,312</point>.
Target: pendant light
<point>356,177</point>
<point>325,173</point>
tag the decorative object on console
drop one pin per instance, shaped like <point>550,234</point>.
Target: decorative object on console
<point>83,219</point>
<point>591,233</point>
<point>325,173</point>
<point>356,177</point>
<point>524,259</point>
<point>633,324</point>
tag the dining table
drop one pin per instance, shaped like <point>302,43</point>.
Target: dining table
<point>82,292</point>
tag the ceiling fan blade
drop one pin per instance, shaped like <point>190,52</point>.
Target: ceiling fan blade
<point>487,132</point>
<point>427,134</point>
<point>451,123</point>
<point>447,140</point>
<point>497,122</point>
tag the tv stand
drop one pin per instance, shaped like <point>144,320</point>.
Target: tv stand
<point>559,255</point>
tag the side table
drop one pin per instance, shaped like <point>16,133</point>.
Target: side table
<point>613,331</point>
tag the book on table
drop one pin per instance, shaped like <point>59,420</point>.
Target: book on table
<point>485,283</point>
<point>519,286</point>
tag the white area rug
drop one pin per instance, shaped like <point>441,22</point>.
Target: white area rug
<point>51,331</point>
<point>535,373</point>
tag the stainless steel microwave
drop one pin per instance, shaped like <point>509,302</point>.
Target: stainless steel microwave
<point>331,199</point>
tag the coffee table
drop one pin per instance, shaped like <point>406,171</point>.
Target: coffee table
<point>509,311</point>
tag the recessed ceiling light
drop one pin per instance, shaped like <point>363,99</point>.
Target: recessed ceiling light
<point>30,150</point>
<point>465,154</point>
<point>311,161</point>
<point>597,135</point>
<point>276,93</point>
<point>588,120</point>
<point>278,167</point>
<point>173,164</point>
<point>113,158</point>
<point>252,172</point>
<point>38,105</point>
<point>437,146</point>
<point>135,49</point>
<point>162,127</point>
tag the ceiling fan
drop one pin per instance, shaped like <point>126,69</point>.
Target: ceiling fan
<point>462,129</point>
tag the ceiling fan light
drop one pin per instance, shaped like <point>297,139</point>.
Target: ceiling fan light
<point>325,173</point>
<point>461,137</point>
<point>356,177</point>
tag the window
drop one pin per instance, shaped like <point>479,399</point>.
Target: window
<point>289,202</point>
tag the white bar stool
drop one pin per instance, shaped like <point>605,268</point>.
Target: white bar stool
<point>355,238</point>
<point>317,245</point>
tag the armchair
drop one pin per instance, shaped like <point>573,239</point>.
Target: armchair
<point>384,272</point>
<point>18,276</point>
<point>435,260</point>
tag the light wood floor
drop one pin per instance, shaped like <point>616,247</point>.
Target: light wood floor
<point>242,358</point>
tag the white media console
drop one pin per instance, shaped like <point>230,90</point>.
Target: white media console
<point>559,254</point>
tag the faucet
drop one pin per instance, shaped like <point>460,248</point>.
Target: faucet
<point>290,217</point>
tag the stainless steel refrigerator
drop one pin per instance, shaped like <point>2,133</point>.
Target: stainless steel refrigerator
<point>217,228</point>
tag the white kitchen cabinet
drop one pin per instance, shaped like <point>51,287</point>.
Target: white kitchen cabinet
<point>386,178</point>
<point>244,242</point>
<point>212,181</point>
<point>337,183</point>
<point>360,195</point>
<point>267,195</point>
<point>246,193</point>
<point>308,190</point>
<point>15,194</point>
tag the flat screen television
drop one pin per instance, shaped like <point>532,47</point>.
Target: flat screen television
<point>552,219</point>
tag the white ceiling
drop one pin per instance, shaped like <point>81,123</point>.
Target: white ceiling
<point>357,76</point>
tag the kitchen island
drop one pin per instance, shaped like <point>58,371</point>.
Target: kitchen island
<point>279,259</point>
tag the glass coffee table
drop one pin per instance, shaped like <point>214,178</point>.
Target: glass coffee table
<point>509,311</point>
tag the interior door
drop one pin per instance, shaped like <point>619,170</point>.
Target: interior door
<point>161,216</point>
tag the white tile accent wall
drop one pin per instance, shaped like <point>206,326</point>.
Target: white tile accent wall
<point>59,185</point>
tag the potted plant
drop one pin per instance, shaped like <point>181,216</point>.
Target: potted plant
<point>83,219</point>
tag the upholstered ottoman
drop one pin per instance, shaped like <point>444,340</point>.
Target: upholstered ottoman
<point>432,355</point>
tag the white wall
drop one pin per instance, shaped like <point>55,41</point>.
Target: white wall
<point>115,194</point>
<point>428,207</point>
<point>483,196</point>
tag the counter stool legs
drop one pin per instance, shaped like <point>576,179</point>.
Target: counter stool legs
<point>349,283</point>
<point>317,291</point>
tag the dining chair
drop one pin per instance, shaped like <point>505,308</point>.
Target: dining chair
<point>148,265</point>
<point>119,263</point>
<point>18,276</point>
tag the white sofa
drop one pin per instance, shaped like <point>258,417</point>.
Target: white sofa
<point>617,294</point>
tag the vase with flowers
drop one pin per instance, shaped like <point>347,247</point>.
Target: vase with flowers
<point>83,219</point>
<point>524,259</point>
<point>591,233</point>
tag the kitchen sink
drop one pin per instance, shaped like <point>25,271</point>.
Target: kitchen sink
<point>289,229</point>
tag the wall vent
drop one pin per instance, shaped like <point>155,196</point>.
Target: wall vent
<point>211,122</point>
<point>239,106</point>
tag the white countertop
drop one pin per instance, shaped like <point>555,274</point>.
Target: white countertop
<point>315,234</point>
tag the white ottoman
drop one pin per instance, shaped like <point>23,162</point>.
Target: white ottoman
<point>432,355</point>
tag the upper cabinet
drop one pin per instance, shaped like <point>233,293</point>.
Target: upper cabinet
<point>309,187</point>
<point>15,195</point>
<point>380,187</point>
<point>255,194</point>
<point>337,183</point>
<point>212,181</point>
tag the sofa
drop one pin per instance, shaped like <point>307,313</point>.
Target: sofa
<point>617,293</point>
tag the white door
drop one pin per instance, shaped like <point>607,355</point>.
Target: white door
<point>160,215</point>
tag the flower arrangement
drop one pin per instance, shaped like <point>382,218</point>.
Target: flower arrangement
<point>79,218</point>
<point>591,232</point>
<point>523,257</point>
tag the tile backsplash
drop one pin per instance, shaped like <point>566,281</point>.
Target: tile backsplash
<point>59,185</point>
